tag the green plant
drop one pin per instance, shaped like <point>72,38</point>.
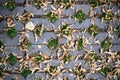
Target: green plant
<point>78,70</point>
<point>66,4</point>
<point>25,44</point>
<point>38,3</point>
<point>80,15</point>
<point>11,33</point>
<point>107,16</point>
<point>53,68</point>
<point>1,73</point>
<point>52,44</point>
<point>106,69</point>
<point>93,30</point>
<point>94,56</point>
<point>52,17</point>
<point>118,30</point>
<point>37,30</point>
<point>80,44</point>
<point>106,44</point>
<point>25,72</point>
<point>12,59</point>
<point>66,30</point>
<point>64,1</point>
<point>94,3</point>
<point>67,58</point>
<point>10,4</point>
<point>38,57</point>
<point>38,78</point>
<point>118,3</point>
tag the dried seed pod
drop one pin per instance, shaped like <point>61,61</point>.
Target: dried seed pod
<point>9,22</point>
<point>2,46</point>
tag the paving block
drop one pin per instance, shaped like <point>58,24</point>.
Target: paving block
<point>63,41</point>
<point>83,25</point>
<point>58,23</point>
<point>18,10</point>
<point>14,49</point>
<point>97,76</point>
<point>101,25</point>
<point>13,77</point>
<point>36,21</point>
<point>39,12</point>
<point>70,76</point>
<point>4,11</point>
<point>3,25</point>
<point>2,1</point>
<point>46,23</point>
<point>76,52</point>
<point>68,12</point>
<point>54,62</point>
<point>69,21</point>
<point>115,38</point>
<point>33,49</point>
<point>19,26</point>
<point>9,41</point>
<point>114,23</point>
<point>30,8</point>
<point>40,75</point>
<point>84,7</point>
<point>101,36</point>
<point>19,1</point>
<point>115,48</point>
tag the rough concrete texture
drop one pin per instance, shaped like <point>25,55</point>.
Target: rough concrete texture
<point>66,43</point>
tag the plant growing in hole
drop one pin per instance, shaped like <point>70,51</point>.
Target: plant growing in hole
<point>24,17</point>
<point>66,3</point>
<point>1,73</point>
<point>38,58</point>
<point>52,17</point>
<point>94,3</point>
<point>117,31</point>
<point>37,30</point>
<point>10,4</point>
<point>25,72</point>
<point>53,69</point>
<point>94,56</point>
<point>38,3</point>
<point>38,78</point>
<point>67,58</point>
<point>11,32</point>
<point>80,44</point>
<point>12,59</point>
<point>106,44</point>
<point>105,70</point>
<point>79,15</point>
<point>107,15</point>
<point>78,70</point>
<point>52,44</point>
<point>66,30</point>
<point>118,3</point>
<point>93,30</point>
<point>25,44</point>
